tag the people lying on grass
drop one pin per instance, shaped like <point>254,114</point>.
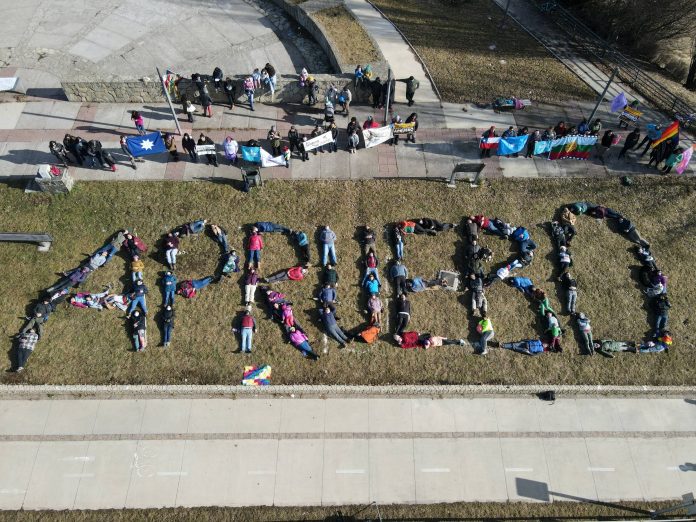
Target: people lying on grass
<point>230,263</point>
<point>116,301</point>
<point>97,260</point>
<point>403,313</point>
<point>39,316</point>
<point>426,340</point>
<point>302,242</point>
<point>168,316</point>
<point>287,315</point>
<point>330,275</point>
<point>87,300</point>
<point>371,264</point>
<point>570,285</point>
<point>523,284</point>
<point>189,288</point>
<point>471,249</point>
<point>527,347</point>
<point>246,328</point>
<point>171,245</point>
<point>255,247</point>
<point>295,273</point>
<point>602,212</point>
<point>327,295</point>
<point>273,297</point>
<point>411,227</point>
<point>629,230</point>
<point>544,304</point>
<point>472,229</point>
<point>608,347</point>
<point>329,320</point>
<point>524,241</point>
<point>327,239</point>
<point>220,235</point>
<point>473,265</point>
<point>134,245</point>
<point>73,278</point>
<point>368,239</point>
<point>24,347</point>
<point>137,297</point>
<point>270,226</point>
<point>251,280</point>
<point>372,284</point>
<point>553,333</point>
<point>300,341</point>
<point>585,329</point>
<point>500,275</point>
<point>433,225</point>
<point>138,330</point>
<point>398,242</point>
<point>646,258</point>
<point>169,282</point>
<point>558,235</point>
<point>565,260</point>
<point>398,274</point>
<point>485,329</point>
<point>374,308</point>
<point>137,267</point>
<point>660,306</point>
<point>478,297</point>
<point>418,284</point>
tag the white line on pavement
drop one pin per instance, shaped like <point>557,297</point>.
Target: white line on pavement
<point>172,473</point>
<point>601,469</point>
<point>12,491</point>
<point>350,471</point>
<point>673,468</point>
<point>519,470</point>
<point>435,470</point>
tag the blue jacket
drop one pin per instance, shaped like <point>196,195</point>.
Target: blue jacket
<point>398,270</point>
<point>170,282</point>
<point>372,286</point>
<point>521,282</point>
<point>329,319</point>
<point>327,295</point>
<point>301,238</point>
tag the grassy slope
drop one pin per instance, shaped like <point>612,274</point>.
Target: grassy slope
<point>85,346</point>
<point>455,41</point>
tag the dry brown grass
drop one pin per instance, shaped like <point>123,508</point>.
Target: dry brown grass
<point>455,41</point>
<point>353,45</point>
<point>518,511</point>
<point>86,346</point>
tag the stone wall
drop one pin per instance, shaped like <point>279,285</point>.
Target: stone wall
<point>150,91</point>
<point>303,14</point>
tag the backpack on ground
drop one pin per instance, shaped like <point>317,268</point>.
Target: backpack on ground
<point>369,334</point>
<point>186,290</point>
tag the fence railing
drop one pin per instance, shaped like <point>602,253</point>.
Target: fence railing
<point>588,43</point>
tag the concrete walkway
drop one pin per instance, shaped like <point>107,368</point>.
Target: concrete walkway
<point>98,454</point>
<point>401,59</point>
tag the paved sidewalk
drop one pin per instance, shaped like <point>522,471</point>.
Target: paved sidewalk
<point>99,454</point>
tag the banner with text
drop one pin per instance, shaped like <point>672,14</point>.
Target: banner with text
<point>267,160</point>
<point>404,128</point>
<point>318,141</point>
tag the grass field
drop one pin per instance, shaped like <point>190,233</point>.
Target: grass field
<point>518,511</point>
<point>473,59</point>
<point>87,346</point>
<point>353,44</point>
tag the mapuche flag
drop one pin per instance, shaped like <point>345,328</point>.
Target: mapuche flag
<point>667,134</point>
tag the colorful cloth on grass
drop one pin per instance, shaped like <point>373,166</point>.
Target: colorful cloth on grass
<point>577,147</point>
<point>257,375</point>
<point>670,132</point>
<point>512,145</point>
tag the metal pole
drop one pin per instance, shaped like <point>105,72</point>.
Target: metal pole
<point>505,14</point>
<point>601,98</point>
<point>386,105</point>
<point>169,101</point>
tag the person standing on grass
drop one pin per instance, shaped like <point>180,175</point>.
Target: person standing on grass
<point>138,121</point>
<point>167,325</point>
<point>411,86</point>
<point>631,141</point>
<point>246,330</point>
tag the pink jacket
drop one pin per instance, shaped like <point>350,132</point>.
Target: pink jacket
<point>297,337</point>
<point>255,242</point>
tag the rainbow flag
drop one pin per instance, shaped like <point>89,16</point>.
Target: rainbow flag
<point>667,134</point>
<point>257,375</point>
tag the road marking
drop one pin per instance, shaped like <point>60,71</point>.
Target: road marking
<point>673,468</point>
<point>601,469</point>
<point>12,491</point>
<point>261,472</point>
<point>78,475</point>
<point>435,470</point>
<point>350,471</point>
<point>83,459</point>
<point>172,473</point>
<point>519,470</point>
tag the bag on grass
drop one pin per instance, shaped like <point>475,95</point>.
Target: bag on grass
<point>186,290</point>
<point>369,334</point>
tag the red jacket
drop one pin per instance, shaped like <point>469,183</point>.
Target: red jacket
<point>255,242</point>
<point>409,340</point>
<point>295,273</point>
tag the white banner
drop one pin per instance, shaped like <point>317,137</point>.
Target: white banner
<point>206,150</point>
<point>269,161</point>
<point>320,140</point>
<point>376,136</point>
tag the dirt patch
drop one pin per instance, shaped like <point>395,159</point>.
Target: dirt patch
<point>473,59</point>
<point>92,347</point>
<point>353,45</point>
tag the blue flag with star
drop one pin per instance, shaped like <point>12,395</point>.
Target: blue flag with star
<point>147,144</point>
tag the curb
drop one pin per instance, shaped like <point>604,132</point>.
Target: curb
<point>9,392</point>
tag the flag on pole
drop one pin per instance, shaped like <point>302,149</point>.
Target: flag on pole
<point>146,144</point>
<point>619,102</point>
<point>686,156</point>
<point>670,132</point>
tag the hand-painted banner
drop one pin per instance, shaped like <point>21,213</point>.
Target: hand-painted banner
<point>269,161</point>
<point>686,156</point>
<point>318,141</point>
<point>404,128</point>
<point>251,154</point>
<point>577,147</point>
<point>512,145</point>
<point>376,136</point>
<point>630,115</point>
